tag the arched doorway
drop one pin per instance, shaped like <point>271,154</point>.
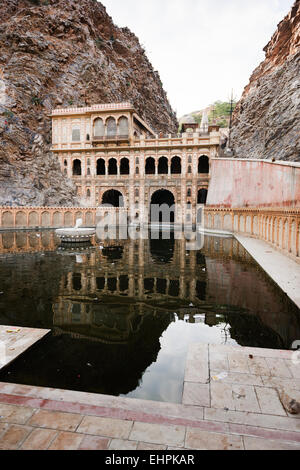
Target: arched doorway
<point>124,167</point>
<point>113,198</point>
<point>150,166</point>
<point>112,167</point>
<point>203,165</point>
<point>176,166</point>
<point>163,166</point>
<point>76,168</point>
<point>202,196</point>
<point>100,167</point>
<point>162,208</point>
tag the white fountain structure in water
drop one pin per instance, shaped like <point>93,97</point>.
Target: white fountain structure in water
<point>76,234</point>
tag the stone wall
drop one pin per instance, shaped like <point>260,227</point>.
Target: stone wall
<point>279,227</point>
<point>254,183</point>
<point>45,217</point>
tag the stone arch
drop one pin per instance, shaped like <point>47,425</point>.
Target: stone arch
<point>123,126</point>
<point>111,127</point>
<point>202,196</point>
<point>68,219</point>
<point>124,166</point>
<point>45,219</point>
<point>208,218</point>
<point>294,237</point>
<point>176,166</point>
<point>33,219</point>
<point>57,219</point>
<point>113,197</point>
<point>21,219</point>
<point>101,167</point>
<point>255,225</point>
<point>280,233</point>
<point>76,133</point>
<point>217,221</point>
<point>78,215</point>
<point>77,170</point>
<point>227,222</point>
<point>158,212</point>
<point>89,218</point>
<point>248,224</point>
<point>112,166</point>
<point>7,219</point>
<point>99,128</point>
<point>236,223</point>
<point>203,164</point>
<point>242,223</point>
<point>285,235</point>
<point>150,166</point>
<point>163,166</point>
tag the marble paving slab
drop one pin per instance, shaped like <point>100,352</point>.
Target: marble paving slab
<point>14,341</point>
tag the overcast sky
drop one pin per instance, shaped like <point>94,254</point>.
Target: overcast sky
<point>201,48</point>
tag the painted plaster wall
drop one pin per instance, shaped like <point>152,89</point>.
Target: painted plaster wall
<point>254,183</point>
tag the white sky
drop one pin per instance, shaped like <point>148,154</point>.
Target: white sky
<point>202,48</point>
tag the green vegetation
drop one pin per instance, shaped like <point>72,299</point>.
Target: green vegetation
<point>36,100</point>
<point>8,114</point>
<point>219,113</point>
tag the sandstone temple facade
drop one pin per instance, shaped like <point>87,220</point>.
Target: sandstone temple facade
<point>115,158</point>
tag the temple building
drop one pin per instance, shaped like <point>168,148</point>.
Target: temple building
<point>114,157</point>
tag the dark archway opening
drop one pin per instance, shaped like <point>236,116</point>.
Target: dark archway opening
<point>76,168</point>
<point>113,253</point>
<point>162,251</point>
<point>113,198</point>
<point>150,166</point>
<point>176,166</point>
<point>124,167</point>
<point>162,207</point>
<point>112,167</point>
<point>202,196</point>
<point>203,165</point>
<point>100,167</point>
<point>163,166</point>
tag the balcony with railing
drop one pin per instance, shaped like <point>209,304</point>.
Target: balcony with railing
<point>110,139</point>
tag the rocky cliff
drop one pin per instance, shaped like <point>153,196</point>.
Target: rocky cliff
<point>63,53</point>
<point>267,119</point>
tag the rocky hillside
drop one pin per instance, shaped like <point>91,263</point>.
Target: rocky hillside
<point>63,53</point>
<point>267,119</point>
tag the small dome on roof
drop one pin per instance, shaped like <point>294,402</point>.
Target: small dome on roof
<point>189,120</point>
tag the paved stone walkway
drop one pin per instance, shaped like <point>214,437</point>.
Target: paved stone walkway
<point>16,340</point>
<point>232,400</point>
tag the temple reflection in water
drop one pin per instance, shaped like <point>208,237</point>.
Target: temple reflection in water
<point>112,305</point>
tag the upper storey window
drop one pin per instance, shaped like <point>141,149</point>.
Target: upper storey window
<point>76,133</point>
<point>99,129</point>
<point>111,126</point>
<point>123,127</point>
